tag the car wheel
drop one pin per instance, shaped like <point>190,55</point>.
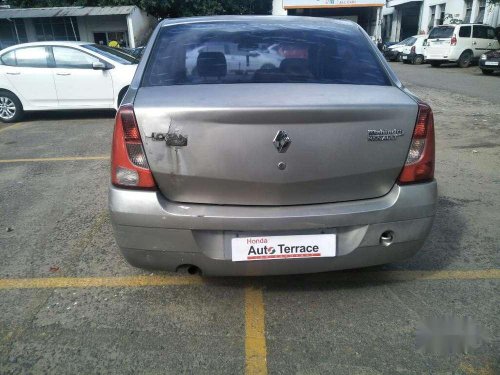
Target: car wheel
<point>487,72</point>
<point>418,60</point>
<point>435,64</point>
<point>465,59</point>
<point>11,109</point>
<point>399,57</point>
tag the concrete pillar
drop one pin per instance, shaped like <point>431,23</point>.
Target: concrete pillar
<point>130,30</point>
<point>377,33</point>
<point>394,26</point>
<point>475,11</point>
<point>30,30</point>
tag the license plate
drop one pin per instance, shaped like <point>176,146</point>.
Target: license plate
<point>283,247</point>
<point>405,57</point>
<point>493,63</point>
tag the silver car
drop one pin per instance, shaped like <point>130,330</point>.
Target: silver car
<point>321,161</point>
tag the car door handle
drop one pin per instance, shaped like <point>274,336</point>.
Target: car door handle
<point>14,73</point>
<point>63,74</point>
<point>474,43</point>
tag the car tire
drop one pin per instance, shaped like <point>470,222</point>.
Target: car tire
<point>465,59</point>
<point>418,60</point>
<point>435,64</point>
<point>487,72</point>
<point>11,109</point>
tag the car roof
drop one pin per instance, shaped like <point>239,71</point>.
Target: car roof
<point>299,20</point>
<point>49,43</point>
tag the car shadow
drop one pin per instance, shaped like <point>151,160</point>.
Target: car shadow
<point>69,115</point>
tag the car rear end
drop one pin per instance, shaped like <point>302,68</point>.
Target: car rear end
<point>322,162</point>
<point>440,43</point>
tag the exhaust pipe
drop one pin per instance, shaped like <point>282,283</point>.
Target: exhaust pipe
<point>387,238</point>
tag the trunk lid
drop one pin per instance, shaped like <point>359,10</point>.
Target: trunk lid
<point>230,157</point>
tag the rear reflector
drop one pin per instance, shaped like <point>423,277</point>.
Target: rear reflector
<point>419,164</point>
<point>129,166</point>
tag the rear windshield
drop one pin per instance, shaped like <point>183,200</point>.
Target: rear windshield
<point>441,32</point>
<point>253,52</point>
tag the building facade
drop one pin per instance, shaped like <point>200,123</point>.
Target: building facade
<point>404,18</point>
<point>367,13</point>
<point>127,25</point>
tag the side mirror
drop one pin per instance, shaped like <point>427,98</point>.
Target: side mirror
<point>99,66</point>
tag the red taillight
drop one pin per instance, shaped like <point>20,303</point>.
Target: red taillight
<point>129,166</point>
<point>453,41</point>
<point>419,164</point>
<point>413,49</point>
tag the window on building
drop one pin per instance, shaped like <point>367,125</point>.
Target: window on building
<point>442,15</point>
<point>56,28</point>
<point>482,10</point>
<point>12,32</point>
<point>433,17</point>
<point>468,11</point>
<point>71,58</point>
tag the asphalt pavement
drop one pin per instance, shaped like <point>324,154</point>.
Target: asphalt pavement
<point>469,82</point>
<point>70,304</point>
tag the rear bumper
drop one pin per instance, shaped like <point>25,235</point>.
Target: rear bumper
<point>391,54</point>
<point>155,233</point>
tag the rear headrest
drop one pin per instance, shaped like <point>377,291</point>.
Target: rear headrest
<point>295,67</point>
<point>211,64</point>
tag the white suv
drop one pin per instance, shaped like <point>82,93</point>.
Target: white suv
<point>459,43</point>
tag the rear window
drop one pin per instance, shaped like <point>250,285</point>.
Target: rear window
<point>410,41</point>
<point>442,32</point>
<point>243,52</point>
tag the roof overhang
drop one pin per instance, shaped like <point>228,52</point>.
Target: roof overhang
<point>65,12</point>
<point>319,4</point>
<point>395,3</point>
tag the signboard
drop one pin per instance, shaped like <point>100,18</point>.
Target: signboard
<point>291,4</point>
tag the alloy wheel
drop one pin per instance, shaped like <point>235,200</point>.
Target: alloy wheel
<point>7,108</point>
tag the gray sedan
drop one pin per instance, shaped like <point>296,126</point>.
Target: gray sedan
<point>227,161</point>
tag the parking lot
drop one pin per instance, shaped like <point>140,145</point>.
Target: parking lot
<point>71,304</point>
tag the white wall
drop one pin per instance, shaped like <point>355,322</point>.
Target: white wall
<point>278,9</point>
<point>140,26</point>
<point>87,26</point>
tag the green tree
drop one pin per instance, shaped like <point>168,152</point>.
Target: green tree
<point>163,8</point>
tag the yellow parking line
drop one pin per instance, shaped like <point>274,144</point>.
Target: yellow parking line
<point>255,338</point>
<point>12,126</point>
<point>66,158</point>
<point>441,275</point>
<point>159,280</point>
<point>85,282</point>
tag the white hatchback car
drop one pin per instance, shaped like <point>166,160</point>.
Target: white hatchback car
<point>459,43</point>
<point>62,75</point>
<point>413,52</point>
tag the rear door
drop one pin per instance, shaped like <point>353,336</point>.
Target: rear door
<point>27,69</point>
<point>464,40</point>
<point>480,41</point>
<point>78,85</point>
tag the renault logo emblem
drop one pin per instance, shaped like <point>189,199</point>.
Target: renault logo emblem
<point>282,141</point>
